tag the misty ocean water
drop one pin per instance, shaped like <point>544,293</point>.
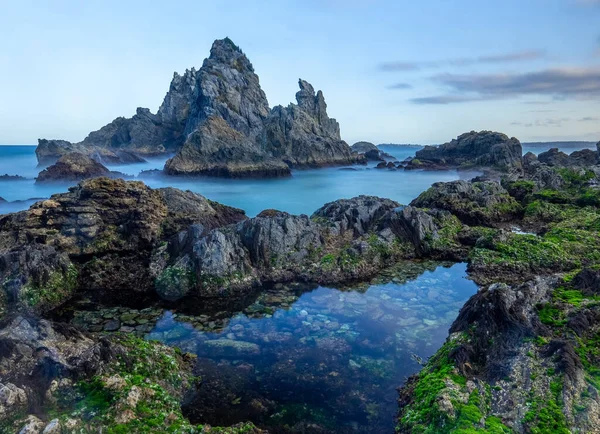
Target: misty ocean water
<point>302,193</point>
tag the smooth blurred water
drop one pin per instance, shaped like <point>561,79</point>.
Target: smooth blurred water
<point>302,193</point>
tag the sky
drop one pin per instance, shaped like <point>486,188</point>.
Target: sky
<point>391,71</point>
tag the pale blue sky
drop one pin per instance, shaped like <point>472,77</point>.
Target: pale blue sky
<point>391,71</point>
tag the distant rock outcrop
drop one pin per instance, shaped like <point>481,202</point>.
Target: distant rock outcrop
<point>74,166</point>
<point>582,158</point>
<point>485,149</point>
<point>8,177</point>
<point>371,152</point>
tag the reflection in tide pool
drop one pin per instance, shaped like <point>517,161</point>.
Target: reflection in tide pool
<point>329,357</point>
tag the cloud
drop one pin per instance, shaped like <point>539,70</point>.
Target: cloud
<point>551,122</point>
<point>519,56</point>
<point>560,83</point>
<point>445,99</point>
<point>589,119</point>
<point>400,86</point>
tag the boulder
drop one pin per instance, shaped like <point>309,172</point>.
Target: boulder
<point>484,149</point>
<point>73,166</point>
<point>554,157</point>
<point>358,215</point>
<point>474,203</point>
<point>362,147</point>
<point>100,236</point>
<point>370,151</point>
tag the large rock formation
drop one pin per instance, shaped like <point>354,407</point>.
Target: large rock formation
<point>218,119</point>
<point>485,149</point>
<point>232,132</point>
<point>124,140</point>
<point>73,166</point>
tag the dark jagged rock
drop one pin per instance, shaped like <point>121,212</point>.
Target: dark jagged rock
<point>357,215</point>
<point>227,87</point>
<point>226,116</point>
<point>74,166</point>
<point>100,236</point>
<point>232,133</point>
<point>485,149</point>
<point>344,240</point>
<point>92,377</point>
<point>556,158</point>
<point>216,149</point>
<point>474,203</point>
<point>303,135</point>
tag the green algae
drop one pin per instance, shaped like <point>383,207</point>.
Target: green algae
<point>57,288</point>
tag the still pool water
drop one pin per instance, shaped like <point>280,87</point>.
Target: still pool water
<point>298,356</point>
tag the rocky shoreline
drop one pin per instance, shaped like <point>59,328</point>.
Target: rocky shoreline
<point>521,357</point>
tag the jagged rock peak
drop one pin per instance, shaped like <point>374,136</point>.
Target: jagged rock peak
<point>309,102</point>
<point>226,51</point>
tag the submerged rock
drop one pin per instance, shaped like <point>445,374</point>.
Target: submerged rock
<point>231,348</point>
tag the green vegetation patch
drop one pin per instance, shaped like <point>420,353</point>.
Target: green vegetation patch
<point>58,288</point>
